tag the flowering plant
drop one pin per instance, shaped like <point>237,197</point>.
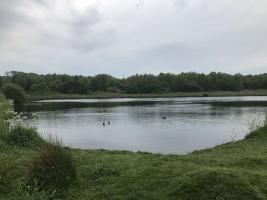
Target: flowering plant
<point>16,118</point>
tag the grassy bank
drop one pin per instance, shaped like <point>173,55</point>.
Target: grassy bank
<point>236,170</point>
<point>121,95</point>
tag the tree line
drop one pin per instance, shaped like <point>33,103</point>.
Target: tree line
<point>137,84</point>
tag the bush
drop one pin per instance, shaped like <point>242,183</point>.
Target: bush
<point>15,93</point>
<point>5,106</point>
<point>53,168</point>
<point>214,184</point>
<point>23,137</point>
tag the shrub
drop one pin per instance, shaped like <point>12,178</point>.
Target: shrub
<point>24,137</point>
<point>53,168</point>
<point>15,93</point>
<point>214,184</point>
<point>5,106</point>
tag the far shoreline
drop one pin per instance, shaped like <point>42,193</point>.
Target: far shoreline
<point>105,95</point>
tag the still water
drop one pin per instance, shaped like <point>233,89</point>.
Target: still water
<point>158,125</point>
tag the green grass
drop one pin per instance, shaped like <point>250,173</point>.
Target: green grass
<point>234,169</point>
<point>214,184</point>
<point>121,95</point>
<point>24,194</point>
<point>6,178</point>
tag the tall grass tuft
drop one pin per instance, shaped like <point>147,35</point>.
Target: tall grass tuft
<point>5,106</point>
<point>4,129</point>
<point>6,179</point>
<point>25,192</point>
<point>256,127</point>
<point>54,167</point>
<point>24,137</point>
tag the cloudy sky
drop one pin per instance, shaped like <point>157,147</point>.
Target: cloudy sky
<point>125,37</point>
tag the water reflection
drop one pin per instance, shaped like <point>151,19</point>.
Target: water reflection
<point>137,124</point>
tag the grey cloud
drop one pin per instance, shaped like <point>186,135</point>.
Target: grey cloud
<point>101,36</point>
<point>180,3</point>
<point>75,32</point>
<point>9,15</point>
<point>81,22</point>
<point>84,31</point>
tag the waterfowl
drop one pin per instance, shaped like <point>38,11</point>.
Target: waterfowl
<point>164,117</point>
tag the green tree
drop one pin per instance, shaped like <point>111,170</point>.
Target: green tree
<point>39,88</point>
<point>15,93</point>
<point>101,82</point>
<point>146,83</point>
<point>24,80</point>
<point>191,87</point>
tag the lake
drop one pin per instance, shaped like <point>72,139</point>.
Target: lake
<point>158,125</point>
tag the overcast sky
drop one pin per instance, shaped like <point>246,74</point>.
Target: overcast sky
<point>125,37</point>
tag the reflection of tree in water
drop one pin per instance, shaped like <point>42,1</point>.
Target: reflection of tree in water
<point>51,106</point>
<point>142,112</point>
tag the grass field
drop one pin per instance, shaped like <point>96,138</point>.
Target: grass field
<point>236,170</point>
<point>120,95</point>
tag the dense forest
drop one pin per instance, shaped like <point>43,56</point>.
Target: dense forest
<point>137,84</point>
